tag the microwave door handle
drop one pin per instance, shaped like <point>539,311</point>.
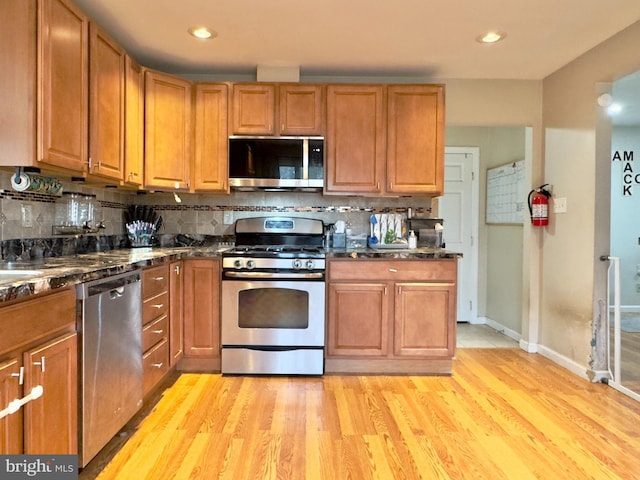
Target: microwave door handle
<point>305,159</point>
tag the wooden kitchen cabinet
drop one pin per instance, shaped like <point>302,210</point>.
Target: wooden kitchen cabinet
<point>415,139</point>
<point>176,319</point>
<point>134,124</point>
<point>155,325</point>
<point>278,109</point>
<point>350,306</point>
<point>167,131</point>
<point>355,140</point>
<point>211,138</point>
<point>253,109</point>
<point>39,346</point>
<point>106,105</point>
<point>392,311</point>
<point>202,313</point>
<point>301,109</point>
<point>44,71</point>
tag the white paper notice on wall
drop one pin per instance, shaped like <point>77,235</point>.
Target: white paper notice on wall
<point>506,194</point>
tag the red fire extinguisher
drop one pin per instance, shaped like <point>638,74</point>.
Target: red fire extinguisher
<point>539,206</point>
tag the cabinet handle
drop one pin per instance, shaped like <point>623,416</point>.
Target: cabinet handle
<point>41,363</point>
<point>393,270</point>
<point>158,305</point>
<point>385,290</point>
<point>157,365</point>
<point>158,332</point>
<point>390,185</point>
<point>177,269</point>
<point>19,375</point>
<point>399,290</point>
<point>158,279</point>
<point>377,185</point>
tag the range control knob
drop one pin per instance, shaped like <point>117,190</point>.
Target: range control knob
<point>237,263</point>
<point>297,264</point>
<point>251,264</point>
<point>309,264</point>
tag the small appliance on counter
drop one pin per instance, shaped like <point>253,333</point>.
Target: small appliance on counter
<point>428,231</point>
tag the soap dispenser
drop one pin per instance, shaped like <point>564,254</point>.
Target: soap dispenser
<point>413,240</point>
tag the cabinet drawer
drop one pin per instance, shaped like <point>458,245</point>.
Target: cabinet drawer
<point>154,332</point>
<point>391,270</point>
<point>155,280</point>
<point>154,307</point>
<point>155,364</point>
<point>37,318</point>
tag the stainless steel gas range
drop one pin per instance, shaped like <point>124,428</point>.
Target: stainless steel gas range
<point>273,298</point>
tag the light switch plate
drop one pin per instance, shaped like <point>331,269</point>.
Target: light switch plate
<point>560,205</point>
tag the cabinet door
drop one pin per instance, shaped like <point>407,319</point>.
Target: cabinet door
<point>63,90</point>
<point>415,139</point>
<point>11,425</point>
<point>106,105</point>
<point>425,319</point>
<point>211,148</point>
<point>355,146</point>
<point>301,110</point>
<point>253,109</point>
<point>134,123</point>
<point>176,326</point>
<point>50,422</point>
<point>167,131</point>
<point>202,308</point>
<point>358,319</point>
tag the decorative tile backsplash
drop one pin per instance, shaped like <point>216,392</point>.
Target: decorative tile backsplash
<point>198,214</point>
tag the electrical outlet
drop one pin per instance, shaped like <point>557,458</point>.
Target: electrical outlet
<point>27,216</point>
<point>228,218</point>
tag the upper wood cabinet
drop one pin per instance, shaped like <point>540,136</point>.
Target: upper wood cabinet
<point>167,131</point>
<point>415,139</point>
<point>254,109</point>
<point>277,109</point>
<point>210,164</point>
<point>385,140</point>
<point>302,108</point>
<point>44,74</point>
<point>106,105</point>
<point>355,140</point>
<point>134,124</point>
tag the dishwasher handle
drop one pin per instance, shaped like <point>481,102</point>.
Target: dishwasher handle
<point>114,285</point>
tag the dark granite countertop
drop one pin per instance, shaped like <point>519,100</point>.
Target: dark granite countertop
<point>21,279</point>
<point>392,254</point>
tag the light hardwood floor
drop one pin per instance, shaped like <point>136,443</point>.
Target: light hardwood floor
<point>503,414</point>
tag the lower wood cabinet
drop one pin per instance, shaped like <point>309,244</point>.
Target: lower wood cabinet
<point>201,314</point>
<point>392,310</point>
<point>176,319</point>
<point>39,346</point>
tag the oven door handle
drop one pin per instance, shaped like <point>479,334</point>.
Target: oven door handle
<point>274,276</point>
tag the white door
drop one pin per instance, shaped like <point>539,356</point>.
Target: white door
<point>458,208</point>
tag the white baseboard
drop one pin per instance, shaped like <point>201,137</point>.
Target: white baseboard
<point>528,347</point>
<point>502,329</point>
<point>563,361</point>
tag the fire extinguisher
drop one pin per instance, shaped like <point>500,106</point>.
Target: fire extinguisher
<point>539,206</point>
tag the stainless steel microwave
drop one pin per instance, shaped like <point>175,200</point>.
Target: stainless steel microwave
<point>276,162</point>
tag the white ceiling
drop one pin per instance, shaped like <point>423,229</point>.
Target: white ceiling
<point>425,39</point>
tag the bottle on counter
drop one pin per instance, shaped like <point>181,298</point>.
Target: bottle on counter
<point>413,240</point>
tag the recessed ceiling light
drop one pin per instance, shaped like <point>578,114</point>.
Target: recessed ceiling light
<point>491,37</point>
<point>202,32</point>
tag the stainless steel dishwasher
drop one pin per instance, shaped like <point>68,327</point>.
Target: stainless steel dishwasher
<point>111,369</point>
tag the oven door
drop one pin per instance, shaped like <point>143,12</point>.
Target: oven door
<point>273,313</point>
